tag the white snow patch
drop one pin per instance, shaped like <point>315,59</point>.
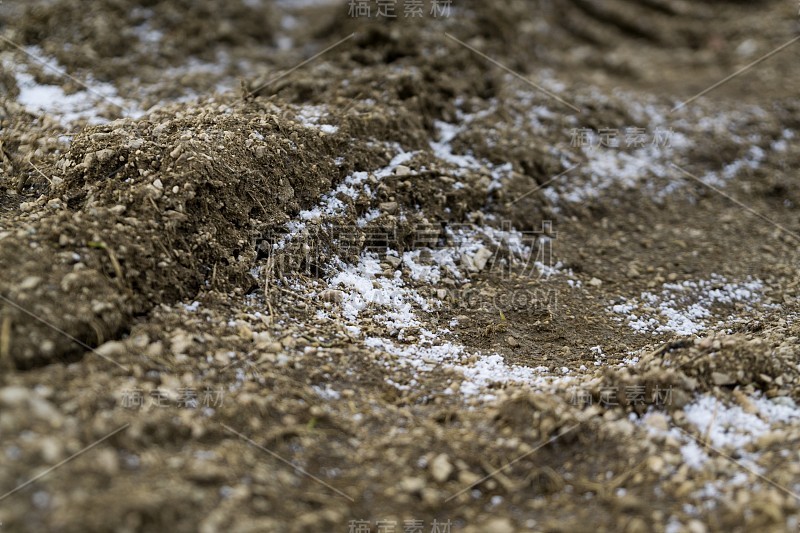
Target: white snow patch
<point>311,117</point>
<point>727,427</point>
<point>331,206</point>
<point>686,308</point>
<point>444,151</point>
<point>53,100</point>
<point>326,392</point>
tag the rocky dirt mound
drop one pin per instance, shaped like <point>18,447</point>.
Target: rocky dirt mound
<point>268,266</point>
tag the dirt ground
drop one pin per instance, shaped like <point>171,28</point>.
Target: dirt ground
<point>399,266</point>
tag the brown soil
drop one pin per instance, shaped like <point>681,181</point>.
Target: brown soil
<point>207,159</point>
